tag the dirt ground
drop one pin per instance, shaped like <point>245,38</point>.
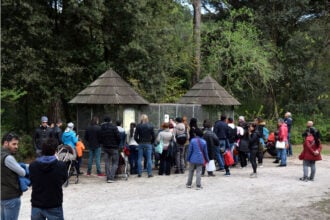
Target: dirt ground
<point>277,193</point>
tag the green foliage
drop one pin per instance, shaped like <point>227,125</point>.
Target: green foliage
<point>25,150</point>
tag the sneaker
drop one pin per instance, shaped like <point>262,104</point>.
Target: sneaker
<point>282,165</point>
<point>310,179</point>
<point>188,186</point>
<point>253,175</point>
<point>227,174</point>
<point>304,178</point>
<point>199,187</point>
<point>110,181</point>
<point>221,169</point>
<point>149,176</point>
<point>101,174</point>
<point>260,165</point>
<point>211,174</point>
<point>88,174</point>
<point>276,161</point>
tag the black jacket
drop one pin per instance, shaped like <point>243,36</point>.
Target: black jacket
<point>91,136</point>
<point>144,133</point>
<point>41,135</point>
<point>109,135</point>
<point>253,141</point>
<point>211,141</point>
<point>47,178</point>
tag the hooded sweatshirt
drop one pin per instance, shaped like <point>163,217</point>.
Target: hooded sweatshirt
<point>47,176</point>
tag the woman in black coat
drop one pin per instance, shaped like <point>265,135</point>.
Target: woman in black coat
<point>253,147</point>
<point>211,141</point>
<point>243,146</point>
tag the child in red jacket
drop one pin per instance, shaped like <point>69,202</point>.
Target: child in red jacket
<point>311,153</point>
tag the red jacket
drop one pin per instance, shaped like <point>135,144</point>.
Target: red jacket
<point>310,149</point>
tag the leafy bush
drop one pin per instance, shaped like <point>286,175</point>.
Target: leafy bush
<point>26,150</point>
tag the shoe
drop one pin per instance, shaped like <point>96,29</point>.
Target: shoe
<point>276,161</point>
<point>182,171</point>
<point>139,175</point>
<point>253,175</point>
<point>80,173</point>
<point>310,179</point>
<point>199,187</point>
<point>88,174</point>
<point>110,181</point>
<point>101,174</point>
<point>303,178</point>
<point>188,186</point>
<point>149,176</point>
<point>211,174</point>
<point>260,165</point>
<point>227,174</point>
<point>221,169</point>
<point>177,172</point>
<point>282,165</point>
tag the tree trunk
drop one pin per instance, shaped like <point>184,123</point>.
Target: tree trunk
<point>197,41</point>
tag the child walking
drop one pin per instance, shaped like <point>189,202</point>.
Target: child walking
<point>311,153</point>
<point>80,147</point>
<point>197,158</point>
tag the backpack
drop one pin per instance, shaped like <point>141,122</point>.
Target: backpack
<point>232,134</point>
<point>181,138</point>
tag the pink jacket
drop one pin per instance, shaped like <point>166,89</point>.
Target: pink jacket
<point>283,133</point>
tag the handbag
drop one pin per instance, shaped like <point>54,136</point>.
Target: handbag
<point>229,160</point>
<point>280,144</point>
<point>159,147</point>
<point>210,166</point>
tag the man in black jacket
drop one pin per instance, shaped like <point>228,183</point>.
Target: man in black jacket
<point>94,147</point>
<point>47,176</point>
<point>109,137</point>
<point>41,135</point>
<point>144,136</point>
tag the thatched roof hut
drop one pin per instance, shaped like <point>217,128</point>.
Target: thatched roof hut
<point>109,88</point>
<point>208,92</point>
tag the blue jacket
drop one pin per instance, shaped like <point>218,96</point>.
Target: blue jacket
<point>221,129</point>
<point>70,138</point>
<point>195,155</point>
<point>24,181</point>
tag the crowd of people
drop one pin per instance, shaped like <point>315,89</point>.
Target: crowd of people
<point>185,146</point>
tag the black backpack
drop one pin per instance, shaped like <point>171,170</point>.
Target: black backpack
<point>181,138</point>
<point>232,134</point>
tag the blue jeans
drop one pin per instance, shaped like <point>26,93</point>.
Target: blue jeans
<point>10,208</point>
<point>281,155</point>
<point>289,152</point>
<point>148,149</point>
<point>133,159</point>
<point>111,162</point>
<point>97,153</point>
<point>219,157</point>
<point>50,213</point>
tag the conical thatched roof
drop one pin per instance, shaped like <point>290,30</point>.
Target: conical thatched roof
<point>109,88</point>
<point>208,92</point>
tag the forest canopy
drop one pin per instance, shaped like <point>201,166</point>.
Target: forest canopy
<point>273,54</point>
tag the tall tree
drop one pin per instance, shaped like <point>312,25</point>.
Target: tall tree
<point>197,40</point>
